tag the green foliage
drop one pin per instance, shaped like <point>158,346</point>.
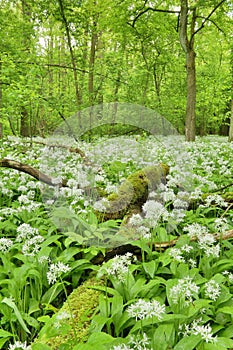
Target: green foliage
<point>177,298</point>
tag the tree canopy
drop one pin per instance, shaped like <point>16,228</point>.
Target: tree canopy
<point>58,57</point>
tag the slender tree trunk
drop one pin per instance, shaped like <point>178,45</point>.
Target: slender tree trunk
<point>190,122</point>
<point>188,47</point>
<point>230,138</point>
<point>1,117</point>
<point>72,56</point>
<point>24,115</point>
<point>91,65</point>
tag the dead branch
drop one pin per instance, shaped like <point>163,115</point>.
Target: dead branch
<point>37,174</point>
<point>69,149</point>
<point>160,247</point>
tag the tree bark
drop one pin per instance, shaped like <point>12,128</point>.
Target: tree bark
<point>1,117</point>
<point>230,138</point>
<point>72,57</point>
<point>188,47</point>
<point>190,122</point>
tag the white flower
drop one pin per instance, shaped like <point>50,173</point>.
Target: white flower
<point>139,342</point>
<point>179,204</point>
<point>143,309</point>
<point>5,244</point>
<point>212,290</point>
<point>221,224</point>
<point>154,210</point>
<point>176,253</point>
<point>215,198</point>
<point>55,271</point>
<point>136,220</point>
<point>196,328</point>
<point>26,231</point>
<point>119,266</point>
<point>32,246</point>
<point>186,248</point>
<point>185,290</point>
<point>205,332</point>
<point>121,347</point>
<point>19,345</point>
<point>192,263</point>
<point>101,205</point>
<point>43,258</point>
<point>212,250</point>
<point>195,230</point>
<point>206,240</point>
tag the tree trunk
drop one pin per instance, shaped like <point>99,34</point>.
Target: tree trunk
<point>230,138</point>
<point>188,47</point>
<point>1,118</point>
<point>72,57</point>
<point>190,128</point>
<point>24,115</point>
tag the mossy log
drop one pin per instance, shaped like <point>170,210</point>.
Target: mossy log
<point>133,192</point>
<point>81,305</point>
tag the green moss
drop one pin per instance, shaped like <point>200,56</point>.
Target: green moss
<point>81,304</point>
<point>133,192</point>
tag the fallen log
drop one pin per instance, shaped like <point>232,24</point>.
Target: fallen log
<point>133,192</point>
<point>160,247</point>
<point>37,174</point>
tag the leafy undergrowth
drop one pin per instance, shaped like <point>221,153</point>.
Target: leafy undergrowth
<point>177,298</point>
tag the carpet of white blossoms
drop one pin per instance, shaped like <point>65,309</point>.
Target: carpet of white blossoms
<point>176,298</point>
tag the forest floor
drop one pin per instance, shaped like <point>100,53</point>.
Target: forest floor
<point>177,296</point>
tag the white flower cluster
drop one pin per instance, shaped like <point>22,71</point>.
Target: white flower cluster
<point>25,231</point>
<point>154,211</point>
<point>212,290</point>
<point>206,241</point>
<point>229,275</point>
<point>143,309</point>
<point>5,244</point>
<point>216,199</point>
<point>19,345</point>
<point>185,290</point>
<point>55,271</point>
<point>196,328</point>
<point>139,342</point>
<point>30,238</point>
<point>221,225</point>
<point>178,254</point>
<point>119,266</point>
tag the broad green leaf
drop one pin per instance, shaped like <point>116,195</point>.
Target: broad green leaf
<point>4,334</point>
<point>150,267</point>
<point>12,305</point>
<point>226,310</point>
<point>188,343</point>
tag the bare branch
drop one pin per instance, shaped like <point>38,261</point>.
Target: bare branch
<point>37,174</point>
<point>153,10</point>
<point>208,17</point>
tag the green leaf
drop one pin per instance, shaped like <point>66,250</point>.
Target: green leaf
<point>150,267</point>
<point>4,334</point>
<point>188,343</point>
<point>12,305</point>
<point>226,310</point>
<point>99,338</point>
<point>164,336</point>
